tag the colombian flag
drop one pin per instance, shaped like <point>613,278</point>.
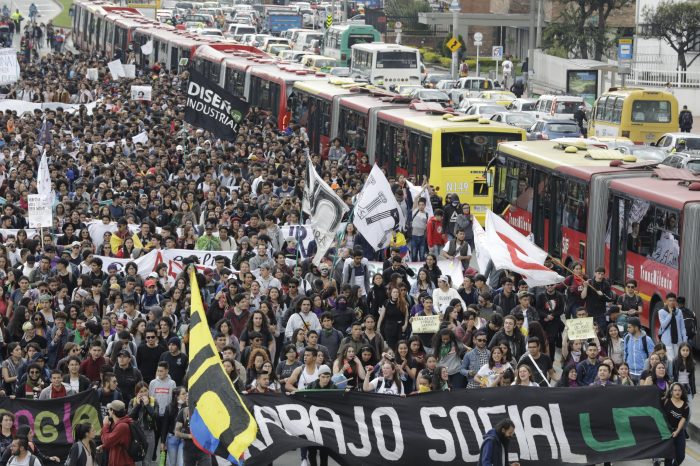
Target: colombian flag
<point>219,421</point>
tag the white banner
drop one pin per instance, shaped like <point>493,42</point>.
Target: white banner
<point>147,48</point>
<point>141,93</point>
<point>452,268</point>
<point>416,193</point>
<point>142,137</point>
<point>376,210</point>
<point>43,182</point>
<point>5,232</point>
<point>129,71</point>
<point>116,70</point>
<point>39,208</point>
<point>512,251</point>
<point>92,74</point>
<point>303,234</point>
<point>9,67</point>
<point>481,246</point>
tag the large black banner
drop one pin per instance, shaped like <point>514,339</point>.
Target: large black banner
<point>554,426</point>
<point>53,421</point>
<point>213,108</point>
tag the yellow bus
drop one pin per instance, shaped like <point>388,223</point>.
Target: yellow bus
<point>450,151</point>
<point>638,114</point>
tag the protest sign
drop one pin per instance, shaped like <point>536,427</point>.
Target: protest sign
<point>425,324</point>
<point>92,74</point>
<point>129,71</point>
<point>580,329</point>
<point>9,67</point>
<point>116,70</point>
<point>39,209</point>
<point>141,92</point>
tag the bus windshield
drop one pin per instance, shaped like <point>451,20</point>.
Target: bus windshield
<point>651,111</point>
<point>403,60</point>
<point>472,148</point>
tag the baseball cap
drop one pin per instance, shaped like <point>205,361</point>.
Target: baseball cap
<point>124,352</point>
<point>174,341</point>
<point>443,278</point>
<point>150,283</point>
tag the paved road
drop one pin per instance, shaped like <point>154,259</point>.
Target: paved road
<point>48,9</point>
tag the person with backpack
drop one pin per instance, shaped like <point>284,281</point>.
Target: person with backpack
<point>637,348</point>
<point>143,409</point>
<point>192,454</point>
<point>518,87</point>
<point>494,448</point>
<point>685,120</point>
<point>671,327</point>
<point>21,455</point>
<point>689,318</point>
<point>116,435</point>
<point>83,452</point>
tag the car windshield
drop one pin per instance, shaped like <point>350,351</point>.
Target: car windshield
<point>527,106</point>
<point>567,107</point>
<point>433,96</point>
<point>691,143</point>
<point>489,109</point>
<point>562,128</point>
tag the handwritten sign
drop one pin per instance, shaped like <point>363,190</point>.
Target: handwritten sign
<point>425,324</point>
<point>39,208</point>
<point>580,329</point>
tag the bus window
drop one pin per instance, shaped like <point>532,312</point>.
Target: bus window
<point>608,110</point>
<point>651,111</point>
<point>394,60</point>
<point>575,208</point>
<point>617,110</point>
<point>472,148</point>
<point>352,129</point>
<point>359,39</point>
<point>659,236</point>
<point>418,155</point>
<point>514,186</point>
<point>600,108</point>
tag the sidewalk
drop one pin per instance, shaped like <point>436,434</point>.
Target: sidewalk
<point>694,425</point>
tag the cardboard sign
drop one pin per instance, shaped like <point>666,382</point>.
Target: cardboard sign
<point>580,329</point>
<point>425,324</point>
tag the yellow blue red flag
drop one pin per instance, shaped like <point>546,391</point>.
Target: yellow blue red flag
<point>220,423</point>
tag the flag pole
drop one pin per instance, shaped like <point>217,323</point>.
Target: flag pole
<point>558,262</point>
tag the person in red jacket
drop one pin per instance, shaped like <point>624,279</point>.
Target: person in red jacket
<point>436,237</point>
<point>116,434</point>
<point>90,368</point>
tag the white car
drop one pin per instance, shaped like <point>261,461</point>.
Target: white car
<point>518,119</point>
<point>485,109</point>
<point>523,105</point>
<point>670,141</point>
<point>214,32</point>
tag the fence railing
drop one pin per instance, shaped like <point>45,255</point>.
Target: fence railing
<point>643,76</point>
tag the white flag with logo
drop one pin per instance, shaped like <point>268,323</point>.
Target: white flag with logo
<point>376,210</point>
<point>418,192</point>
<point>325,209</point>
<point>481,246</point>
<point>511,250</point>
<point>147,48</point>
<point>43,181</point>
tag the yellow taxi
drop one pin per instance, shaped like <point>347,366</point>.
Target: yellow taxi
<point>504,98</point>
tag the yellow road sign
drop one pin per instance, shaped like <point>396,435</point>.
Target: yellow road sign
<point>329,21</point>
<point>454,44</point>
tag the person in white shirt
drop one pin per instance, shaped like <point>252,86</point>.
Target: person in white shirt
<point>507,68</point>
<point>21,456</point>
<point>388,384</point>
<point>444,294</point>
<point>302,318</point>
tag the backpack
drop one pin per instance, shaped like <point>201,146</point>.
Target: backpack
<point>139,445</point>
<point>80,452</point>
<point>628,337</point>
<point>691,325</point>
<point>686,119</point>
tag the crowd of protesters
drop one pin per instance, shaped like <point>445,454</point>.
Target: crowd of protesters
<point>280,323</point>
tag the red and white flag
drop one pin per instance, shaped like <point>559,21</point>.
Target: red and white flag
<point>509,249</point>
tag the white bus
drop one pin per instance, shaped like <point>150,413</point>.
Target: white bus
<point>386,64</point>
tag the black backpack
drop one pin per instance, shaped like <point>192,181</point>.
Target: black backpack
<point>138,446</point>
<point>691,325</point>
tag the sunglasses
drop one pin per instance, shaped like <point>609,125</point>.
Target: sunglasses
<point>150,338</point>
<point>631,287</point>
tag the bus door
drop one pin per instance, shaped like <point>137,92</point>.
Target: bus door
<point>619,212</point>
<point>540,205</point>
<point>554,211</point>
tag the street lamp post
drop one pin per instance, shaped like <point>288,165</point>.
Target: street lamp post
<point>455,9</point>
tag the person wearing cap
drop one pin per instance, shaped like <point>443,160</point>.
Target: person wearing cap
<point>176,359</point>
<point>597,293</point>
<point>116,434</point>
<point>127,375</point>
<point>444,294</point>
<point>637,348</point>
<point>151,297</point>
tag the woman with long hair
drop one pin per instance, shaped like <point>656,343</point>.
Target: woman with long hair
<point>423,284</point>
<point>684,369</point>
<point>169,442</point>
<point>677,414</point>
<point>377,295</point>
<point>441,380</point>
<point>83,452</point>
<point>393,318</point>
<point>375,339</point>
<point>10,367</point>
<point>524,376</point>
<point>490,374</point>
<point>5,303</point>
<point>257,322</point>
<point>349,365</point>
<point>388,383</point>
<point>256,359</point>
<point>569,377</point>
<point>623,375</point>
<point>138,331</point>
<point>448,352</point>
<point>658,378</point>
<point>143,409</point>
<point>614,345</point>
<point>286,366</point>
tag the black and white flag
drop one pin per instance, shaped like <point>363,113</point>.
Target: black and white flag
<point>324,208</point>
<point>377,212</point>
<point>213,108</point>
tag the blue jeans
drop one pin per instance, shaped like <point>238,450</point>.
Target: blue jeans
<point>175,454</point>
<point>418,248</point>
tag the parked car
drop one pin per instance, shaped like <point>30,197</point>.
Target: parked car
<point>498,97</point>
<point>519,119</point>
<point>679,142</point>
<point>553,129</point>
<point>431,95</point>
<point>446,84</point>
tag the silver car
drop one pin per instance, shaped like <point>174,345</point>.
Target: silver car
<point>518,119</point>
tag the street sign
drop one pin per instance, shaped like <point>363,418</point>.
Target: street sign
<point>477,43</point>
<point>478,37</point>
<point>454,44</point>
<point>624,49</point>
<point>497,52</point>
<point>398,26</point>
<point>329,21</point>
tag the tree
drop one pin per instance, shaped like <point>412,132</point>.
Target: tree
<point>582,27</point>
<point>407,12</point>
<point>676,23</point>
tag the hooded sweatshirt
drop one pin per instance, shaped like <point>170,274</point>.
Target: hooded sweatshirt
<point>492,452</point>
<point>162,391</point>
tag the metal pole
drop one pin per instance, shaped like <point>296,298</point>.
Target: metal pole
<point>477,60</point>
<point>531,44</point>
<point>539,24</point>
<point>455,9</point>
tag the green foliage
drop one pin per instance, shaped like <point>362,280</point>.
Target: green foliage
<point>678,24</point>
<point>445,62</point>
<point>407,11</point>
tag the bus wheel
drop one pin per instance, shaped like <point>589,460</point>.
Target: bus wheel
<point>654,319</point>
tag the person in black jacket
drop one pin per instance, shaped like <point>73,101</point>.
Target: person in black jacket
<point>596,293</point>
<point>168,440</point>
<point>127,375</point>
<point>550,306</point>
<point>84,446</point>
<point>494,449</point>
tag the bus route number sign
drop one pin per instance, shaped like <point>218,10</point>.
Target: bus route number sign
<point>454,44</point>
